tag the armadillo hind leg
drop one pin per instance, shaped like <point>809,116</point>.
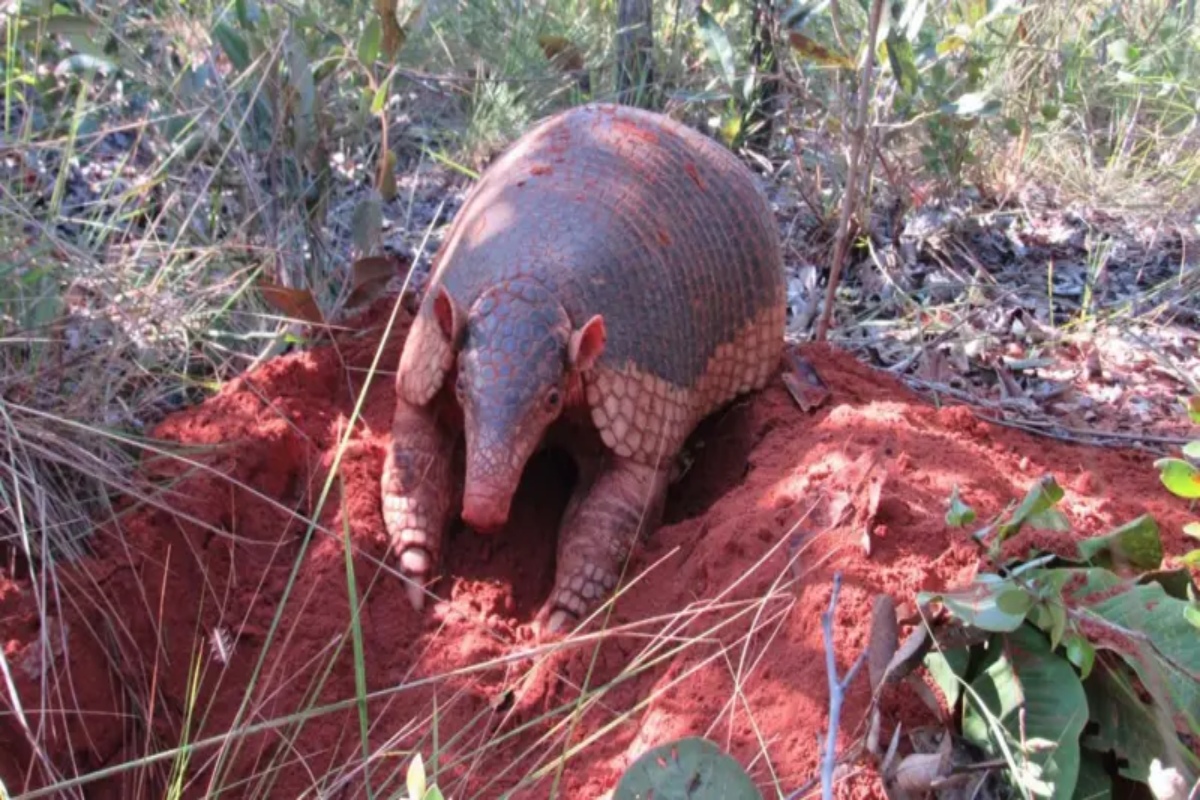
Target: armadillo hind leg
<point>599,529</point>
<point>418,492</point>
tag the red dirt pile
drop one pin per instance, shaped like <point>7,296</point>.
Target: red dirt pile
<point>165,623</point>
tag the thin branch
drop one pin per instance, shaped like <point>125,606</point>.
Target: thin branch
<point>837,690</point>
<point>850,199</point>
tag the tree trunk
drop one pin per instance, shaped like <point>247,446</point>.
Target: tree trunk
<point>635,52</point>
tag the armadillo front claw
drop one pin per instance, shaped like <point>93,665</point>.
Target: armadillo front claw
<point>574,598</point>
<point>416,565</point>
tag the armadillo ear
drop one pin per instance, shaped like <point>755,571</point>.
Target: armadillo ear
<point>587,343</point>
<point>448,314</point>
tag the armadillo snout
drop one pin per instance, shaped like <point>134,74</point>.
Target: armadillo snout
<point>486,510</point>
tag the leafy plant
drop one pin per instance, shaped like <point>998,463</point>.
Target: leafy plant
<point>1079,642</point>
<point>1181,476</point>
<point>416,783</point>
<point>692,768</point>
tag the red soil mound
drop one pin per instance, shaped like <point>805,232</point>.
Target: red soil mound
<point>130,659</point>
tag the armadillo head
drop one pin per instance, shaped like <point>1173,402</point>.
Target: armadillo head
<point>519,354</point>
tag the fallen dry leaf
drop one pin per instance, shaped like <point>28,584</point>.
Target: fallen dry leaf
<point>371,275</point>
<point>296,304</point>
<point>803,383</point>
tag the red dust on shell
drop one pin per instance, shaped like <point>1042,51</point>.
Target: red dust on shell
<point>211,563</point>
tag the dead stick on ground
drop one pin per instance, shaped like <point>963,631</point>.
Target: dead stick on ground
<point>837,691</point>
<point>850,199</point>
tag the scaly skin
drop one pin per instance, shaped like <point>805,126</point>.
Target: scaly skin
<point>615,266</point>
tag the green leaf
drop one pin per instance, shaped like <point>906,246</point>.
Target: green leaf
<point>1037,509</point>
<point>300,78</point>
<point>948,668</point>
<point>1033,694</point>
<point>1191,559</point>
<point>717,43</point>
<point>686,769</point>
<point>1192,615</point>
<point>1192,404</point>
<point>434,793</point>
<point>1014,601</point>
<point>1192,529</point>
<point>1180,477</point>
<point>1164,649</point>
<point>234,45</point>
<point>379,98</point>
<point>1125,725</point>
<point>960,513</point>
<point>978,604</point>
<point>953,43</point>
<point>1192,450</point>
<point>1081,653</point>
<point>368,45</point>
<point>903,62</point>
<point>415,779</point>
<point>1135,543</point>
<point>1095,782</point>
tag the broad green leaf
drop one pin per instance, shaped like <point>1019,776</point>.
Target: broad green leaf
<point>368,45</point>
<point>1180,477</point>
<point>1095,782</point>
<point>1014,601</point>
<point>1135,543</point>
<point>948,668</point>
<point>1037,509</point>
<point>434,793</point>
<point>1192,615</point>
<point>717,44</point>
<point>1191,559</point>
<point>960,513</point>
<point>686,769</point>
<point>1192,450</point>
<point>978,604</point>
<point>1123,724</point>
<point>1033,694</point>
<point>1192,529</point>
<point>1164,649</point>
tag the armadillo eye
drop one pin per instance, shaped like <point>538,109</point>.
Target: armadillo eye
<point>553,398</point>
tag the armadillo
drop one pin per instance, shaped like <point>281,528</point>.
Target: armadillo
<point>614,277</point>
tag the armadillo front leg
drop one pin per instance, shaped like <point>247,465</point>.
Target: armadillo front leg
<point>599,529</point>
<point>418,493</point>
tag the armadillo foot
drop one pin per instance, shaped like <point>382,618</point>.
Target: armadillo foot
<point>600,527</point>
<point>417,493</point>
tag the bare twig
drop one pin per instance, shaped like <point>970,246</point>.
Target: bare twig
<point>837,691</point>
<point>850,199</point>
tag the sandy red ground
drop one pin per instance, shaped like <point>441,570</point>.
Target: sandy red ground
<point>768,476</point>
